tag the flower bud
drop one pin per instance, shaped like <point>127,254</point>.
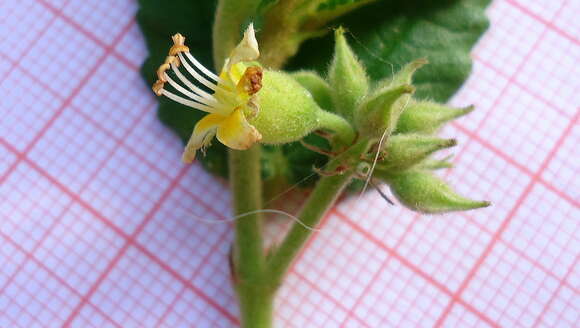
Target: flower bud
<point>288,112</point>
<point>317,86</point>
<point>428,117</point>
<point>347,76</point>
<point>406,150</point>
<point>423,192</point>
<point>378,114</point>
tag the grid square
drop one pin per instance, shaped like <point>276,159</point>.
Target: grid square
<point>372,213</point>
<point>179,239</point>
<point>35,298</point>
<point>72,150</point>
<point>567,20</point>
<point>26,108</point>
<point>482,89</point>
<point>132,46</point>
<point>6,66</point>
<point>482,174</point>
<point>29,206</point>
<point>299,304</point>
<point>445,247</point>
<point>509,289</point>
<point>574,277</point>
<point>11,258</point>
<point>190,310</point>
<point>510,39</point>
<point>14,39</point>
<point>340,261</point>
<point>56,4</point>
<point>461,317</point>
<point>353,322</point>
<point>7,159</point>
<point>115,97</point>
<point>207,187</point>
<point>125,189</point>
<point>521,125</point>
<point>564,310</point>
<point>62,58</point>
<point>554,75</point>
<point>103,18</point>
<point>136,292</point>
<point>398,297</point>
<point>562,171</point>
<point>79,248</point>
<point>90,317</point>
<point>547,10</point>
<point>213,276</point>
<point>546,228</point>
<point>151,141</point>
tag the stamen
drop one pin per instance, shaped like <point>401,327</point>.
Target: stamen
<point>196,75</point>
<point>190,85</point>
<point>186,102</point>
<point>190,94</point>
<point>201,67</point>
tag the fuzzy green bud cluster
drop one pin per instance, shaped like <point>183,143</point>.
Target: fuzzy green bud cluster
<point>401,128</point>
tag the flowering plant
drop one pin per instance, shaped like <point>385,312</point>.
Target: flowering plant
<point>361,121</point>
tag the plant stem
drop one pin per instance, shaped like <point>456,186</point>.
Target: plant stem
<point>247,196</point>
<point>248,256</point>
<point>256,305</point>
<point>319,202</point>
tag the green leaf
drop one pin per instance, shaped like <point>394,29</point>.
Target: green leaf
<point>391,33</point>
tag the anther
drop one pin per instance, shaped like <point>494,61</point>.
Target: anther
<point>158,87</point>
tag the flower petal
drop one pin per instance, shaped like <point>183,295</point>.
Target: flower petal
<point>235,131</point>
<point>246,50</point>
<point>202,134</point>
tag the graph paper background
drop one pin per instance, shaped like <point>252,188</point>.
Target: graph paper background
<point>93,230</point>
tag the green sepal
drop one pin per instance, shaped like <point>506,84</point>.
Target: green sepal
<point>406,150</point>
<point>435,164</point>
<point>347,76</point>
<point>428,117</point>
<point>404,75</point>
<point>377,115</point>
<point>317,86</point>
<point>423,192</point>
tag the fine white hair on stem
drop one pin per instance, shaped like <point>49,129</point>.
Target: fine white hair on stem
<point>242,215</point>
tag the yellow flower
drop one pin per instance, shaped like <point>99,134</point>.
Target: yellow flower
<point>230,98</point>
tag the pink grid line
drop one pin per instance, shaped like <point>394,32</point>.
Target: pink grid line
<point>198,295</point>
